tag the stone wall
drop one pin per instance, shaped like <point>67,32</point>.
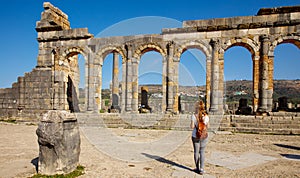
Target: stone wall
<point>280,123</point>
<point>8,101</point>
<point>29,97</point>
<point>276,123</point>
<point>263,19</point>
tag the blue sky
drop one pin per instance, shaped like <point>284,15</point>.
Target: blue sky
<point>19,46</point>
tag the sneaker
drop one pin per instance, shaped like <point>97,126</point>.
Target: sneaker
<point>197,171</point>
<point>201,171</point>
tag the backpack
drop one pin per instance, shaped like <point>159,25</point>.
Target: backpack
<point>201,131</point>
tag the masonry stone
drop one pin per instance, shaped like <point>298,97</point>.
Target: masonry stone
<point>59,143</point>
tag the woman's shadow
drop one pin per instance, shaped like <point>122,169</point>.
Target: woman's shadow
<point>163,160</point>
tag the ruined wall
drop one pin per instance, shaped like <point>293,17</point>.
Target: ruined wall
<point>8,101</point>
<point>29,97</point>
<point>277,123</point>
<point>45,87</point>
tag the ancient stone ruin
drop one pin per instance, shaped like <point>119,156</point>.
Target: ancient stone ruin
<point>59,143</point>
<point>53,83</point>
<point>144,108</point>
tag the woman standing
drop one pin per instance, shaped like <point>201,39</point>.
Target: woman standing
<point>199,144</point>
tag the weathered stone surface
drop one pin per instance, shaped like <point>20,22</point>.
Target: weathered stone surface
<point>52,19</point>
<point>59,143</point>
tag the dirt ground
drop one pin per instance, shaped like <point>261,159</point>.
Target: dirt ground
<point>19,155</point>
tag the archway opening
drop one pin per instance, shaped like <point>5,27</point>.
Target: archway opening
<point>111,80</point>
<point>238,81</point>
<point>82,82</point>
<point>286,93</point>
<point>191,79</point>
<point>150,79</point>
<point>75,86</point>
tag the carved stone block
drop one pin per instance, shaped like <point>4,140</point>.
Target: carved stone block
<point>59,143</point>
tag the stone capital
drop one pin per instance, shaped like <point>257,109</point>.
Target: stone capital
<point>214,42</point>
<point>264,38</point>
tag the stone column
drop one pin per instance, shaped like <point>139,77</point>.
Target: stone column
<point>97,83</point>
<point>255,82</point>
<point>264,73</point>
<point>129,86</point>
<point>128,78</point>
<point>91,87</point>
<point>115,82</point>
<point>135,89</point>
<point>164,85</point>
<point>214,97</point>
<point>60,83</point>
<point>271,84</point>
<point>175,85</point>
<point>170,79</point>
<point>221,83</point>
<point>208,81</point>
<point>124,72</point>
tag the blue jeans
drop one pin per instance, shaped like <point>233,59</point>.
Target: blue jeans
<point>199,147</point>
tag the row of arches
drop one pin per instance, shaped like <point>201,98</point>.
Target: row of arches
<point>248,46</point>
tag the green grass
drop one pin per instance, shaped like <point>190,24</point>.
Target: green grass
<point>76,173</point>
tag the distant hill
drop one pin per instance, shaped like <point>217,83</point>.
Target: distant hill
<point>243,89</point>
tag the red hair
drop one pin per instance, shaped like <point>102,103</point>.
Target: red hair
<point>201,111</point>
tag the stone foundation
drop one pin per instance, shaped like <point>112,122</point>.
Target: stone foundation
<point>277,123</point>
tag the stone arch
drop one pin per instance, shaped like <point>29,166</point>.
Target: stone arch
<point>253,47</point>
<point>247,43</point>
<point>73,51</point>
<point>101,54</point>
<point>149,47</point>
<point>284,39</point>
<point>69,53</point>
<point>205,48</point>
<point>72,77</point>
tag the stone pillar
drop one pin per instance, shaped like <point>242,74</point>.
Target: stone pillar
<point>129,86</point>
<point>264,74</point>
<point>59,143</point>
<point>208,81</point>
<point>115,82</point>
<point>128,97</point>
<point>271,86</point>
<point>255,82</point>
<point>164,85</point>
<point>221,83</point>
<point>135,88</point>
<point>92,95</point>
<point>170,75</point>
<point>97,79</point>
<point>60,82</point>
<point>176,85</point>
<point>214,97</point>
<point>124,79</point>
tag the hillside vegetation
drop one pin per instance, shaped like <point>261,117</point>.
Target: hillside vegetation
<point>237,89</point>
